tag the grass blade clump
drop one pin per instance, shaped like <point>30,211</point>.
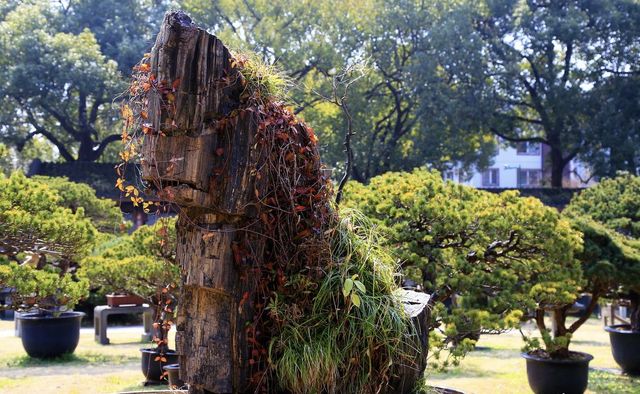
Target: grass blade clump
<point>346,346</point>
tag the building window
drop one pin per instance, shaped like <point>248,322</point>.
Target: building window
<point>529,178</point>
<point>491,177</point>
<point>528,148</point>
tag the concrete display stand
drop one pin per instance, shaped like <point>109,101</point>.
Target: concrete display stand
<point>102,312</point>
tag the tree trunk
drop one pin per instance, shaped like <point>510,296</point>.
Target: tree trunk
<point>634,309</point>
<point>557,163</point>
<point>209,154</point>
<point>204,165</point>
<point>559,328</point>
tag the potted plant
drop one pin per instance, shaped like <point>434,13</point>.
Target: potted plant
<point>142,265</point>
<point>551,366</point>
<point>41,239</point>
<point>607,214</point>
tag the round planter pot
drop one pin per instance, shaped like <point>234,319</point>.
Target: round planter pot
<point>625,346</point>
<point>551,376</point>
<point>152,369</point>
<point>46,336</point>
<point>173,371</point>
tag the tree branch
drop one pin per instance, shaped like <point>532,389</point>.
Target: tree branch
<point>103,144</point>
<point>64,122</point>
<point>93,115</point>
<point>518,139</point>
<point>48,135</point>
<point>587,313</point>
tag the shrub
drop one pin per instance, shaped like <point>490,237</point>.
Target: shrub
<point>103,212</point>
<point>357,329</point>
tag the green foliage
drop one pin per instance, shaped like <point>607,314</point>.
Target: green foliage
<point>6,165</point>
<point>313,40</point>
<point>261,80</point>
<point>529,71</point>
<point>48,288</point>
<point>608,214</point>
<point>103,212</point>
<point>62,65</point>
<point>141,263</point>
<point>493,256</point>
<point>613,202</point>
<point>31,213</point>
<point>345,345</point>
<point>37,225</point>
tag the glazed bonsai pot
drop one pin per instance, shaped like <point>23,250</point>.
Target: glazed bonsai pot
<point>625,346</point>
<point>47,336</point>
<point>152,368</point>
<point>558,376</point>
<point>115,300</point>
<point>173,371</point>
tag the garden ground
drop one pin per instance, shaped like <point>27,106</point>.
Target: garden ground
<point>494,367</point>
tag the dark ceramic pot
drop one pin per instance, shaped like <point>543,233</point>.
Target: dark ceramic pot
<point>114,300</point>
<point>48,336</point>
<point>565,376</point>
<point>173,371</point>
<point>152,369</point>
<point>625,346</point>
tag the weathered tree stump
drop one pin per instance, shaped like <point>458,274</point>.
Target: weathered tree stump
<point>204,164</point>
<point>202,154</point>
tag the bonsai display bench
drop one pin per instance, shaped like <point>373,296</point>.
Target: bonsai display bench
<point>102,312</point>
<point>612,312</point>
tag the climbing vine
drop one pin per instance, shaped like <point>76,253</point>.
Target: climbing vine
<point>311,256</point>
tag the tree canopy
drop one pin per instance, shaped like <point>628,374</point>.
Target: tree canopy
<point>63,64</point>
<point>315,42</point>
<point>608,216</point>
<point>543,69</point>
<point>436,83</point>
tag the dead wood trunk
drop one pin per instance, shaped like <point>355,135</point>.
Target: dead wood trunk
<point>205,150</point>
<point>201,158</point>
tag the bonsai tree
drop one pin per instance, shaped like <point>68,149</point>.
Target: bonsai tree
<point>104,214</point>
<point>142,264</point>
<point>609,216</point>
<point>41,240</point>
<point>481,250</point>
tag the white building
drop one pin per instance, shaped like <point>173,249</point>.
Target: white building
<point>522,166</point>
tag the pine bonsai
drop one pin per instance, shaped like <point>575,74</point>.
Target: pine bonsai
<point>41,241</point>
<point>482,250</point>
<point>609,216</point>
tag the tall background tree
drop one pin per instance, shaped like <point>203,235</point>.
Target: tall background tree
<point>314,40</point>
<point>541,62</point>
<point>62,66</point>
<point>442,79</point>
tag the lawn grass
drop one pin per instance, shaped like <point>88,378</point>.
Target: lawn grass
<point>496,366</point>
<point>93,368</point>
